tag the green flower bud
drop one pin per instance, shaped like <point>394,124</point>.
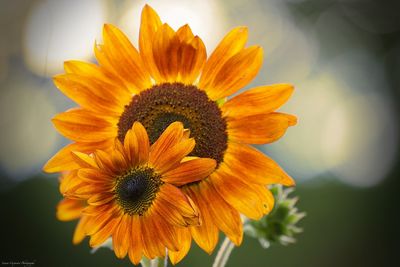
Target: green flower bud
<point>279,226</point>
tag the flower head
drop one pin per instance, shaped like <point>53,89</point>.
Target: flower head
<point>170,79</point>
<point>132,194</point>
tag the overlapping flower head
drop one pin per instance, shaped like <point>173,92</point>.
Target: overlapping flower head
<point>132,193</point>
<point>171,79</point>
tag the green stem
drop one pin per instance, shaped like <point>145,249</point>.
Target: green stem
<point>223,253</point>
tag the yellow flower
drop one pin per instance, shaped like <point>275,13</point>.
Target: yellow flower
<point>131,194</point>
<point>169,80</point>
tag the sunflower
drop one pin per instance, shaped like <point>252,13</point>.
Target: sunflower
<point>131,194</point>
<point>171,79</point>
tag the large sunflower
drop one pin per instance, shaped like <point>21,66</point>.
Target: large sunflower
<point>169,80</point>
<point>131,194</point>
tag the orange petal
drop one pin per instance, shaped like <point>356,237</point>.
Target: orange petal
<point>253,166</point>
<point>179,57</point>
<point>190,171</point>
<point>90,175</point>
<point>149,25</point>
<point>88,69</point>
<point>261,128</point>
<point>232,44</point>
<point>166,232</point>
<point>69,209</point>
<point>84,126</point>
<point>177,200</point>
<point>239,194</point>
<point>66,179</point>
<point>263,99</point>
<point>173,156</point>
<point>64,160</point>
<point>152,244</point>
<point>192,55</point>
<point>84,160</point>
<point>169,213</point>
<point>120,238</point>
<point>165,53</point>
<point>237,72</point>
<point>104,233</point>
<point>183,234</point>
<point>169,138</point>
<point>101,198</point>
<point>79,233</point>
<point>143,142</point>
<point>136,247</point>
<point>224,216</point>
<point>119,161</point>
<point>98,222</point>
<point>105,162</point>
<point>92,94</point>
<point>206,234</point>
<point>124,58</point>
<point>131,147</point>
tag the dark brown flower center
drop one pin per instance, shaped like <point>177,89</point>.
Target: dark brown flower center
<point>159,106</point>
<point>136,190</point>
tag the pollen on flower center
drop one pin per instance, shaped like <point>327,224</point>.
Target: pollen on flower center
<point>159,106</point>
<point>137,189</point>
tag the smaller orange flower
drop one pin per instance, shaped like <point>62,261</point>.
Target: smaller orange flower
<point>131,194</point>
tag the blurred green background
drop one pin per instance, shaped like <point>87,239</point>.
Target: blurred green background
<point>343,56</point>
